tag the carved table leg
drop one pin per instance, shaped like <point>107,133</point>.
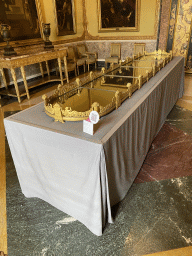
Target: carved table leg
<point>65,68</point>
<point>60,70</point>
<point>25,81</point>
<point>15,83</point>
<point>84,67</point>
<point>41,68</point>
<point>47,66</point>
<point>3,77</point>
<point>56,68</point>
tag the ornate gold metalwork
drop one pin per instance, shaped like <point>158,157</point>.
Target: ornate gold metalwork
<point>74,102</point>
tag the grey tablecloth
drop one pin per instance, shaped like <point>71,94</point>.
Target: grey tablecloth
<point>84,175</point>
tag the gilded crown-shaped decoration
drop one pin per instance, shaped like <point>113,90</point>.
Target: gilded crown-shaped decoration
<point>75,101</point>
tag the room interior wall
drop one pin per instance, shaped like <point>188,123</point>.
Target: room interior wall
<point>87,11</point>
<point>86,19</point>
<point>87,23</point>
<point>100,41</point>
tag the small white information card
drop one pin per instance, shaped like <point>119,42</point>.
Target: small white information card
<point>89,124</point>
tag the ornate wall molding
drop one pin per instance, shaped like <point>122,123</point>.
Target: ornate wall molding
<point>103,47</point>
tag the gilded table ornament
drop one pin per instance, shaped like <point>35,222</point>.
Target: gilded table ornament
<point>5,33</point>
<point>105,91</point>
<point>47,32</point>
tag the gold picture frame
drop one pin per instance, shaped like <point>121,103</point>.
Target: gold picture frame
<point>65,17</point>
<point>25,20</point>
<point>118,15</point>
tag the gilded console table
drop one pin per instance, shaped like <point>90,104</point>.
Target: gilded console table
<point>30,58</point>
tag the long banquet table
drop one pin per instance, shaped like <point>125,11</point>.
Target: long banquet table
<point>84,175</point>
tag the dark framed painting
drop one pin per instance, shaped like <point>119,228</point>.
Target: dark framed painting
<point>65,17</point>
<point>23,17</point>
<point>118,15</point>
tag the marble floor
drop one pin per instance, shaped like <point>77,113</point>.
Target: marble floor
<point>176,168</point>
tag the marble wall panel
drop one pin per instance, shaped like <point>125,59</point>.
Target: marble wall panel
<point>127,47</point>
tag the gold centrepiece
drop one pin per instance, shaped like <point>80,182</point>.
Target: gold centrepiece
<point>104,91</point>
